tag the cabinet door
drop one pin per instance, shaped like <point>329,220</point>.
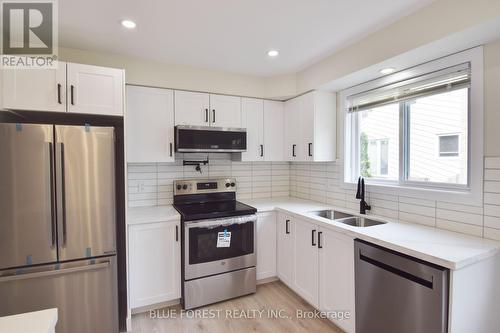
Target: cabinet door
<point>273,131</point>
<point>155,263</point>
<point>307,123</point>
<point>192,108</point>
<point>150,125</point>
<point>252,111</point>
<point>35,89</point>
<point>284,236</point>
<point>266,245</point>
<point>293,129</point>
<point>95,90</point>
<point>305,282</point>
<point>336,276</point>
<point>225,111</point>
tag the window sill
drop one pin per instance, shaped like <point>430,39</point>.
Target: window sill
<point>462,196</point>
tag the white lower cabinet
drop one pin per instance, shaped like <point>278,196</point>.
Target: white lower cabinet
<point>154,263</point>
<point>336,276</point>
<point>305,261</point>
<point>266,245</point>
<point>284,247</point>
<point>318,264</point>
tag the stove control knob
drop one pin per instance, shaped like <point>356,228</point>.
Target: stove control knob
<point>233,184</point>
<point>227,184</point>
<point>179,187</point>
<point>184,187</point>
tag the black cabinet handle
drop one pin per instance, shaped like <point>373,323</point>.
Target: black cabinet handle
<point>287,227</point>
<point>293,150</point>
<point>313,237</point>
<point>261,150</point>
<point>320,245</point>
<point>176,233</point>
<point>59,93</point>
<point>72,95</point>
<point>310,144</point>
<point>206,115</point>
<point>213,113</point>
<point>171,149</point>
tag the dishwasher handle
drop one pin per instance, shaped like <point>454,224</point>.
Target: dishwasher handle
<point>409,268</point>
<point>397,271</point>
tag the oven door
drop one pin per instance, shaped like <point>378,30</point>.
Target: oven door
<point>219,245</point>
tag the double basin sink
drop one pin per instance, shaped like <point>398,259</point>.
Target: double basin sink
<point>348,219</point>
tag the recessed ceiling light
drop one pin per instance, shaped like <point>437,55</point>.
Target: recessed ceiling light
<point>273,53</point>
<point>128,24</point>
<point>387,70</point>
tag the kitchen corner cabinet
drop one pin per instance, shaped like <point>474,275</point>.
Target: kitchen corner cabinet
<point>263,121</point>
<point>68,88</point>
<point>203,109</point>
<point>310,127</point>
<point>154,263</point>
<point>150,125</point>
<point>266,245</point>
<point>252,111</point>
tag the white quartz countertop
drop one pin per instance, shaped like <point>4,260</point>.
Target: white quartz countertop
<point>138,215</point>
<point>445,248</point>
<point>31,322</point>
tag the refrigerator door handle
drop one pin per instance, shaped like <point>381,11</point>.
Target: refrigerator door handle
<point>62,195</point>
<point>35,275</point>
<point>52,195</point>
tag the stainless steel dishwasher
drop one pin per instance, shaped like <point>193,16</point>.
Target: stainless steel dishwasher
<point>396,293</point>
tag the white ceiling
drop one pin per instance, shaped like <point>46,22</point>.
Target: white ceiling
<point>229,35</point>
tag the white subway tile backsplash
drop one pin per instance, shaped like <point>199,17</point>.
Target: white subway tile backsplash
<point>151,184</point>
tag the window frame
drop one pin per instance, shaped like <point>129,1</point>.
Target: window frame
<point>471,192</point>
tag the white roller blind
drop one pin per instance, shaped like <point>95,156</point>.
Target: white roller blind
<point>452,78</point>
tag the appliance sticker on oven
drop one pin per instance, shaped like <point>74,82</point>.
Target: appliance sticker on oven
<point>224,239</point>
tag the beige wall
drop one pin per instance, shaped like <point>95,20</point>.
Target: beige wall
<point>492,98</point>
<point>150,73</point>
<point>434,22</point>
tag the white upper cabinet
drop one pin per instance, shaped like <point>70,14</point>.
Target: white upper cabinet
<point>273,131</point>
<point>150,125</point>
<point>310,127</point>
<point>192,108</point>
<point>95,89</point>
<point>225,111</point>
<point>252,111</point>
<point>292,130</point>
<point>35,89</point>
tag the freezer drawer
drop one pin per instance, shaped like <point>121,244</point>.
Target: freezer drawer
<point>85,178</point>
<point>396,293</point>
<point>85,294</point>
<point>27,217</point>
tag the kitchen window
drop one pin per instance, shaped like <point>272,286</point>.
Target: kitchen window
<point>415,130</point>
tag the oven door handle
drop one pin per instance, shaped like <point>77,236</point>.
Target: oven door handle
<point>215,223</point>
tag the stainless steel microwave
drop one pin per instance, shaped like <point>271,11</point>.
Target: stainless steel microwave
<point>210,139</point>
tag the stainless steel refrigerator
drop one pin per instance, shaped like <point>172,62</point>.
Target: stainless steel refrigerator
<point>57,224</point>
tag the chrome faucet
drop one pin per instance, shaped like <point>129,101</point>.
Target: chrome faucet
<point>360,194</point>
